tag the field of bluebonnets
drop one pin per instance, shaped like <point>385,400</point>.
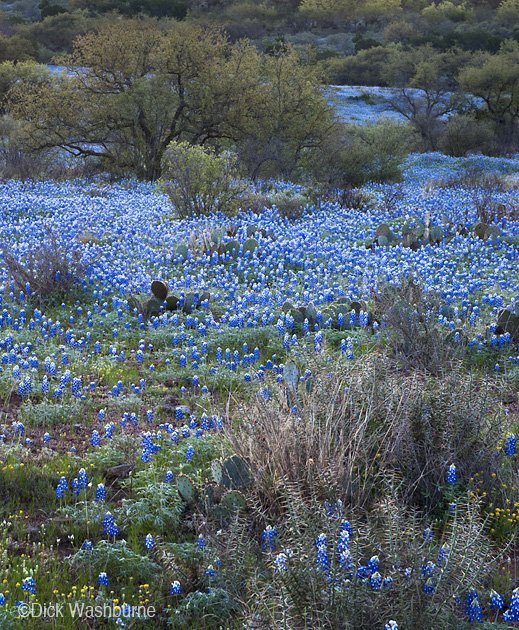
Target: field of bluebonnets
<point>309,425</point>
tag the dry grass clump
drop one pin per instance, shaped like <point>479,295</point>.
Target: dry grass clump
<point>53,267</point>
<point>363,422</point>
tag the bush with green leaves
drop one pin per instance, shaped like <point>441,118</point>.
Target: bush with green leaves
<point>332,569</point>
<point>116,559</point>
<point>362,153</point>
<point>199,181</point>
<point>463,133</point>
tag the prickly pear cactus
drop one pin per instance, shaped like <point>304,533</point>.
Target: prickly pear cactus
<point>297,315</point>
<point>508,322</point>
<point>291,375</point>
<point>232,248</point>
<point>211,494</point>
<point>159,289</point>
<point>171,302</point>
<point>382,230</point>
<point>250,245</point>
<point>217,471</point>
<point>188,304</point>
<point>234,501</point>
<point>216,237</point>
<point>311,314</point>
<point>480,229</point>
<point>186,489</point>
<point>436,233</point>
<point>182,250</point>
<point>236,473</point>
<point>134,303</point>
<point>151,307</point>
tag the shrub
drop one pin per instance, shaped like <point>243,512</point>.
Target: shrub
<point>198,181</point>
<point>364,422</point>
<point>363,153</point>
<point>462,133</point>
<point>410,319</point>
<point>290,206</point>
<point>52,268</point>
<point>333,573</point>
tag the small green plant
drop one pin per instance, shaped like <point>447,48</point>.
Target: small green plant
<point>198,181</point>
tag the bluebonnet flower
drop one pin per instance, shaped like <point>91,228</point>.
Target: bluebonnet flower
<point>269,535</point>
<point>510,448</point>
<point>333,508</point>
<point>100,492</point>
<point>281,562</point>
<point>200,542</point>
<point>363,572</point>
<point>94,440</point>
<point>149,542</point>
<point>322,560</point>
<point>175,588</point>
<point>2,599</point>
<point>512,614</point>
<point>373,563</point>
<point>265,393</point>
<point>428,569</point>
<point>87,545</point>
<point>496,601</point>
<point>427,534</point>
<point>472,608</point>
<point>102,580</point>
<point>29,585</point>
<point>346,527</point>
<point>109,525</point>
<point>428,586</point>
<point>169,477</point>
<point>210,571</point>
<point>82,478</point>
<point>451,475</point>
<point>109,430</point>
<point>46,438</point>
<point>375,581</point>
<point>62,487</point>
<point>391,625</point>
<point>190,452</point>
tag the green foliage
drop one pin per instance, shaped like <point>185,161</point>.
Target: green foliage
<point>333,596</point>
<point>363,153</point>
<point>198,181</point>
<point>206,610</point>
<point>494,79</point>
<point>156,506</point>
<point>117,559</point>
<point>463,133</point>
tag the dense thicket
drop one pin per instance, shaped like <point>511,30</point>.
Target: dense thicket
<point>248,77</point>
